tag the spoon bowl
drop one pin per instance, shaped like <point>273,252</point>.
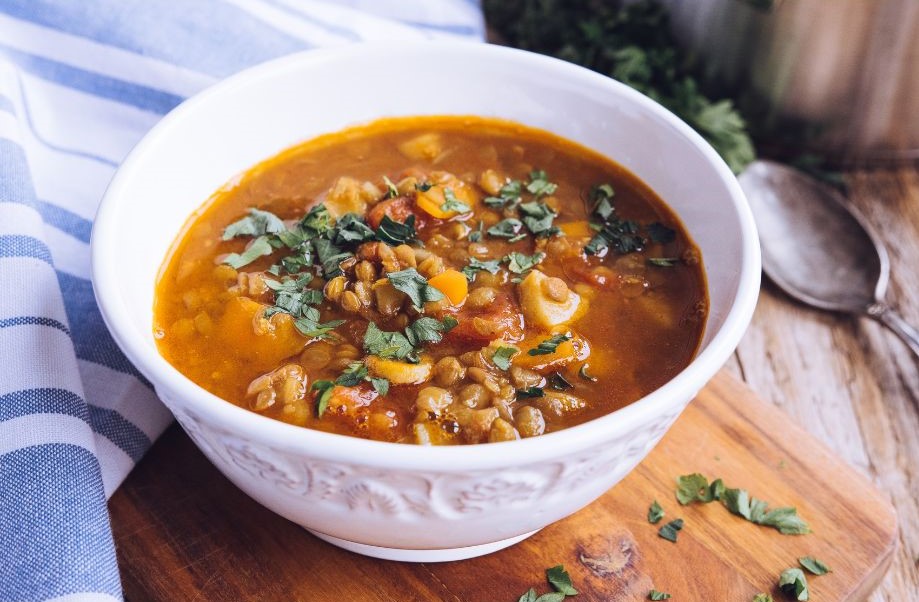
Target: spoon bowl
<point>818,248</point>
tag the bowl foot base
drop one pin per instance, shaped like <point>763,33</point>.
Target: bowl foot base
<point>435,555</point>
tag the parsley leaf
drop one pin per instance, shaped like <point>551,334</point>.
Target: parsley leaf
<point>413,284</point>
<point>451,203</point>
<point>507,228</point>
<point>656,595</point>
<point>621,235</point>
<point>330,256</point>
<point>388,345</point>
<point>353,375</point>
<point>519,263</point>
<point>539,184</point>
<point>660,233</point>
<point>317,221</point>
<point>793,583</point>
<point>509,195</point>
<point>530,392</point>
<point>814,566</point>
<point>671,530</point>
<point>257,223</point>
<point>426,330</point>
<point>538,217</point>
<point>380,385</point>
<point>691,488</point>
<point>559,382</point>
<point>309,327</point>
<point>502,357</point>
<point>559,578</point>
<point>762,597</point>
<point>257,248</point>
<point>550,345</point>
<point>655,513</point>
<point>785,520</point>
<point>395,233</point>
<point>324,389</point>
<point>351,228</point>
<point>601,196</point>
<point>476,235</point>
<point>491,266</point>
<point>529,596</point>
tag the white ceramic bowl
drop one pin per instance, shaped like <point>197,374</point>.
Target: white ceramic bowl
<point>407,502</point>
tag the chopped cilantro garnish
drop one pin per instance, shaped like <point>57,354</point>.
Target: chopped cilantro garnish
<point>257,223</point>
<point>351,228</point>
<point>559,382</point>
<point>388,345</point>
<point>671,530</point>
<point>539,184</point>
<point>502,357</point>
<point>530,392</point>
<point>324,392</point>
<point>353,375</point>
<point>695,487</point>
<point>413,284</point>
<point>257,248</point>
<point>391,190</point>
<point>621,235</point>
<point>356,373</point>
<point>538,217</point>
<point>476,235</point>
<point>312,328</point>
<point>426,330</point>
<point>330,257</point>
<point>655,513</point>
<point>451,203</point>
<point>656,595</point>
<point>395,233</point>
<point>550,345</point>
<point>583,373</point>
<point>509,195</point>
<point>507,228</point>
<point>814,566</point>
<point>601,196</point>
<point>317,221</point>
<point>491,266</point>
<point>519,263</point>
<point>559,579</point>
<point>793,583</point>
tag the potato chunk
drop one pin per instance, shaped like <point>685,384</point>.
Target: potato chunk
<point>399,373</point>
<point>547,302</point>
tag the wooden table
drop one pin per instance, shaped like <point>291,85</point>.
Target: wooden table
<point>848,381</point>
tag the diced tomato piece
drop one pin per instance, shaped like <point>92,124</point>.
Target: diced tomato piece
<point>397,209</point>
<point>500,320</point>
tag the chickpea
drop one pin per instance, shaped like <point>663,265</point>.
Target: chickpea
<point>491,182</point>
<point>473,396</point>
<point>316,356</point>
<point>432,399</point>
<point>530,421</point>
<point>502,430</point>
<point>365,271</point>
<point>555,289</point>
<point>448,371</point>
<point>350,301</point>
<point>480,297</point>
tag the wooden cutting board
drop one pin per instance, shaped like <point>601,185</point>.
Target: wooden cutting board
<point>184,532</point>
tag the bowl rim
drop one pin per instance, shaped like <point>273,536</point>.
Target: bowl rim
<point>669,398</point>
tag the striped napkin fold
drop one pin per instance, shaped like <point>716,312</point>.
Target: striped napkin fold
<point>81,81</point>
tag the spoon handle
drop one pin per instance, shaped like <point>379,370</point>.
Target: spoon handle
<point>892,320</point>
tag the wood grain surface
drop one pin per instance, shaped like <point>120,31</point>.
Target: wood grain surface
<point>848,381</point>
<point>183,532</point>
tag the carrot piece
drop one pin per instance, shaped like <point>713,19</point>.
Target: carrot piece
<point>451,283</point>
<point>432,199</point>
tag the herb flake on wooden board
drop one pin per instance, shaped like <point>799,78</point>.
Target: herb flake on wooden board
<point>656,595</point>
<point>793,583</point>
<point>655,513</point>
<point>671,530</point>
<point>814,566</point>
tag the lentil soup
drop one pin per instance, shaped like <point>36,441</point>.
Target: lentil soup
<point>432,280</point>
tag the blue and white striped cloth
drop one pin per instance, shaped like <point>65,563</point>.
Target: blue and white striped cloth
<point>80,82</point>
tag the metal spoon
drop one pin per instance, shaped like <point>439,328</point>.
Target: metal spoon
<point>818,248</point>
